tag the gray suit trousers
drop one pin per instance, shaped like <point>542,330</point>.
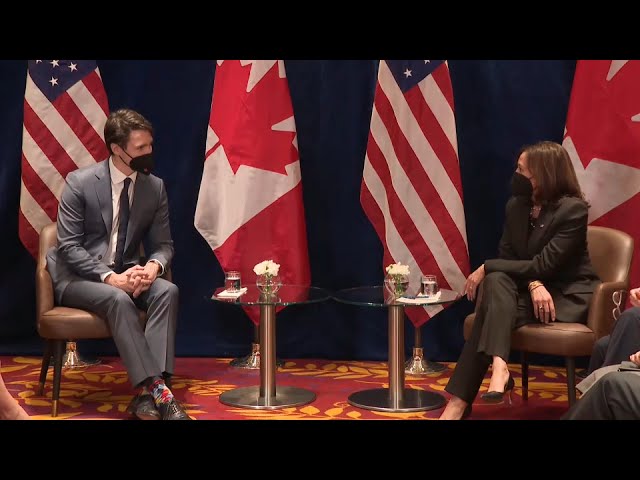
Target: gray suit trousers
<point>623,341</point>
<point>616,396</point>
<point>147,352</point>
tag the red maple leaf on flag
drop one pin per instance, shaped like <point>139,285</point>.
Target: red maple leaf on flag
<point>254,121</point>
<point>611,102</point>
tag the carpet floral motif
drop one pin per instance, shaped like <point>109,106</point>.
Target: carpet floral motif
<point>103,391</point>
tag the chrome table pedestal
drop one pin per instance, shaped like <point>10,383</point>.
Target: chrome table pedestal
<point>267,395</point>
<point>396,398</point>
<point>417,364</point>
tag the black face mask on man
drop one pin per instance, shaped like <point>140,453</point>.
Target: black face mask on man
<point>143,163</point>
<point>521,186</point>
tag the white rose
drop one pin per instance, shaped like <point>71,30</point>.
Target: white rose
<point>398,269</point>
<point>266,267</point>
<point>260,268</point>
<point>273,268</point>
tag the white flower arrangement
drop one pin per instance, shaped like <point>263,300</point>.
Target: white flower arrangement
<point>398,269</point>
<point>267,267</point>
<point>397,279</point>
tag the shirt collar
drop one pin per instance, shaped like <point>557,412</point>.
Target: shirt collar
<point>117,176</point>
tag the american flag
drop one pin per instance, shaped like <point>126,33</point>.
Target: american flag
<point>411,189</point>
<point>65,109</point>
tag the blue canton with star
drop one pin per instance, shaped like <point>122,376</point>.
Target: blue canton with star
<point>54,77</point>
<point>408,73</point>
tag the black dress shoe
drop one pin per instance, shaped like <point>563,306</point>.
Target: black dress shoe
<point>172,410</point>
<point>143,407</point>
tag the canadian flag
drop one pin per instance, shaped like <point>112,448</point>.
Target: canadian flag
<point>250,206</point>
<point>603,139</point>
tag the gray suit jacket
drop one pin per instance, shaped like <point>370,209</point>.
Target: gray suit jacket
<point>84,226</point>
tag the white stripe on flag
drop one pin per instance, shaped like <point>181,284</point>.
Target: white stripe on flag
<point>31,210</point>
<point>41,165</point>
<point>89,107</point>
<point>441,109</point>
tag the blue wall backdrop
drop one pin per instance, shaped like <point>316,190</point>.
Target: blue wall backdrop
<point>500,105</point>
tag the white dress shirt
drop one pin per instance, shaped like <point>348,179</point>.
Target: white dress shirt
<point>117,184</point>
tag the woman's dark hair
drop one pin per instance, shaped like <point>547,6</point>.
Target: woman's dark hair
<point>120,124</point>
<point>551,166</point>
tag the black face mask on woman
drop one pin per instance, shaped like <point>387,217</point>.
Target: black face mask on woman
<point>143,163</point>
<point>521,186</point>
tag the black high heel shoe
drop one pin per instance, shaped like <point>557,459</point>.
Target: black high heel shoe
<point>498,397</point>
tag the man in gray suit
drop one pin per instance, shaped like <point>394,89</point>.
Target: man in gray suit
<point>106,213</point>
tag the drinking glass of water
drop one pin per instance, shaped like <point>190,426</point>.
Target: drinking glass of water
<point>429,285</point>
<point>232,281</point>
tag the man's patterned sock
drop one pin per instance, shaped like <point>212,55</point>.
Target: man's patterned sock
<point>161,393</point>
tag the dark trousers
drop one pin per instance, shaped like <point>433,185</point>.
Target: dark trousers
<point>623,341</point>
<point>616,396</point>
<point>502,309</point>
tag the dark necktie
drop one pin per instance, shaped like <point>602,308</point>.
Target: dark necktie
<point>122,229</point>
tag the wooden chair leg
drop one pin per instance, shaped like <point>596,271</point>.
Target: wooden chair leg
<point>58,352</point>
<point>525,376</point>
<point>46,360</point>
<point>571,379</point>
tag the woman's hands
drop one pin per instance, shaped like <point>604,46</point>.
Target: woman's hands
<point>543,307</point>
<point>473,280</point>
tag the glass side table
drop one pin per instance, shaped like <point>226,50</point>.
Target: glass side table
<point>267,395</point>
<point>396,398</point>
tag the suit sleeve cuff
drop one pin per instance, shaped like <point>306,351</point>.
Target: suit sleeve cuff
<point>103,276</point>
<point>161,266</point>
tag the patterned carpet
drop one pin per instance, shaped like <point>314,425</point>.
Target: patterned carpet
<point>103,391</point>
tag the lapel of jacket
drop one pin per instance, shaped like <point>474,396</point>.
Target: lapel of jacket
<point>103,190</point>
<point>538,233</point>
<point>140,191</point>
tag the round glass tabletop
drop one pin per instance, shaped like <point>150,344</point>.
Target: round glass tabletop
<point>378,296</point>
<point>286,295</point>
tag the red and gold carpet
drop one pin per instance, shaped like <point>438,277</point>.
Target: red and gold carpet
<point>102,392</point>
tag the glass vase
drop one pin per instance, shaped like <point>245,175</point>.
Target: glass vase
<point>397,284</point>
<point>268,284</point>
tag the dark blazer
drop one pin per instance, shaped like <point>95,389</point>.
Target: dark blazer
<point>85,214</point>
<point>555,253</point>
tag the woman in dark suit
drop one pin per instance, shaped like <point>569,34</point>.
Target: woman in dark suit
<point>542,274</point>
